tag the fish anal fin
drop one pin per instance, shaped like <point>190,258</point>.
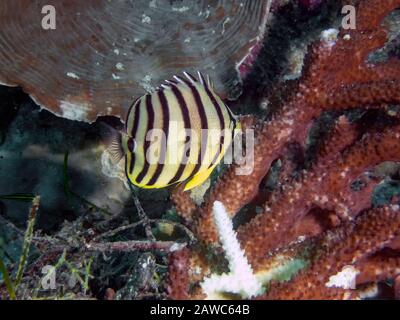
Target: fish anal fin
<point>198,179</point>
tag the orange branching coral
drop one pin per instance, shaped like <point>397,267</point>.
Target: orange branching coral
<point>384,265</point>
<point>341,248</point>
<point>184,204</point>
<point>178,274</point>
<point>186,268</point>
<point>337,75</point>
<point>326,185</point>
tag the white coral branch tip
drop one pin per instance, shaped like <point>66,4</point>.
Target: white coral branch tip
<point>241,279</point>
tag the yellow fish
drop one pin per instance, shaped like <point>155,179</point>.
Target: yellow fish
<point>179,132</point>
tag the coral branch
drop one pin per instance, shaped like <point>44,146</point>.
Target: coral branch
<point>336,76</point>
<point>327,185</point>
<point>167,246</point>
<point>321,203</point>
<point>241,279</point>
<point>344,246</point>
<point>184,205</point>
<point>178,274</point>
<point>384,265</point>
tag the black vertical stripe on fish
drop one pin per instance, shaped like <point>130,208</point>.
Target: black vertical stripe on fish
<point>217,107</point>
<point>233,138</point>
<point>234,121</point>
<point>134,131</point>
<point>165,130</point>
<point>222,141</point>
<point>204,125</point>
<point>187,125</point>
<point>232,117</point>
<point>150,125</point>
<point>133,105</point>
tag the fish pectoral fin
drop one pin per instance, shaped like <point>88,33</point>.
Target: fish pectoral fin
<point>115,149</point>
<point>112,138</point>
<point>198,179</point>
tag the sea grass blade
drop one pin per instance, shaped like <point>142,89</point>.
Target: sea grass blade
<point>23,197</point>
<point>27,240</point>
<point>7,280</point>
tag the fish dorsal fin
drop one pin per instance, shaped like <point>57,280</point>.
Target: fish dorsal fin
<point>210,84</point>
<point>198,179</point>
<point>180,80</point>
<point>192,79</point>
<point>201,79</point>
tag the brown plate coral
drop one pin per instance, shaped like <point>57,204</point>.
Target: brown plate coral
<point>101,55</point>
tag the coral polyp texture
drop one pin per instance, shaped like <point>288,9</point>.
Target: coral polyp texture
<point>317,234</point>
<point>101,55</point>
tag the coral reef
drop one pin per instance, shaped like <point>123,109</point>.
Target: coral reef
<point>313,214</point>
<point>319,205</point>
<point>348,245</point>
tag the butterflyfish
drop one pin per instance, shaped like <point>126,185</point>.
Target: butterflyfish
<point>178,133</point>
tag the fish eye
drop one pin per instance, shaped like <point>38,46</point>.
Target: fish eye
<point>131,145</point>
